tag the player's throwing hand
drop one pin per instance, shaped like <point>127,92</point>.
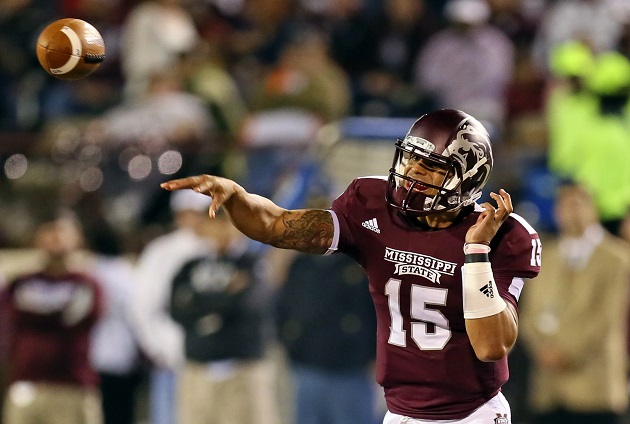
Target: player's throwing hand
<point>220,189</point>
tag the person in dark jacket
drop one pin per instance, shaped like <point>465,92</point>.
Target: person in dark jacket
<point>220,301</point>
<point>327,324</point>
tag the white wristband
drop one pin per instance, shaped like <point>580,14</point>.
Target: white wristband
<point>476,248</point>
<point>481,296</point>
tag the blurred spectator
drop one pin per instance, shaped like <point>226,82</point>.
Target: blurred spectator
<point>166,115</point>
<point>624,230</point>
<point>22,81</point>
<point>623,44</point>
<point>340,9</point>
<point>607,175</point>
<point>221,303</point>
<point>354,29</point>
<point>206,75</point>
<point>51,314</point>
<point>574,319</point>
<point>114,349</point>
<point>326,322</point>
<point>525,94</point>
<point>569,106</point>
<point>518,19</point>
<point>82,100</point>
<point>307,78</point>
<point>599,154</point>
<point>402,29</point>
<point>385,87</point>
<point>154,34</point>
<point>305,90</point>
<point>123,154</point>
<point>263,30</point>
<point>350,27</point>
<point>596,23</point>
<point>258,31</point>
<point>468,64</point>
<point>161,338</point>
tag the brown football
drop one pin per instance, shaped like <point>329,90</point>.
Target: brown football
<point>70,49</point>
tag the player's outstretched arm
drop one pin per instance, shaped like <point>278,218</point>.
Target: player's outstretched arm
<point>491,323</point>
<point>305,230</point>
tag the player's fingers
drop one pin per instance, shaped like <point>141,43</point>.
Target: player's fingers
<point>214,207</point>
<point>489,210</point>
<point>508,200</point>
<point>504,205</point>
<point>173,185</point>
<point>211,187</point>
<point>181,183</point>
<point>206,187</point>
<point>500,203</point>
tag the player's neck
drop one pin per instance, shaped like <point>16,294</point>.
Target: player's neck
<point>439,220</point>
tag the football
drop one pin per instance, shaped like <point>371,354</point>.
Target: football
<point>70,49</point>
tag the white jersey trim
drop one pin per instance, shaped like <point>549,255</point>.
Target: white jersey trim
<point>335,242</point>
<point>516,287</point>
<point>374,177</point>
<point>496,410</point>
<point>520,219</point>
<point>524,223</point>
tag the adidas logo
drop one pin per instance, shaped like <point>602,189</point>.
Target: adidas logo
<point>371,224</point>
<point>487,290</point>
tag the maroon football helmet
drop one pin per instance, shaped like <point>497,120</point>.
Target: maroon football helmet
<point>451,143</point>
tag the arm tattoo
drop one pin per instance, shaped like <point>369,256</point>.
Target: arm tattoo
<point>309,231</point>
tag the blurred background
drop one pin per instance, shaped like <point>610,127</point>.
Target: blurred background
<point>293,99</point>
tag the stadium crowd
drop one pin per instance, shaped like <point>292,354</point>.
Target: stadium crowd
<point>260,91</point>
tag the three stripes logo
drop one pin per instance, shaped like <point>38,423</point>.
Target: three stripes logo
<point>488,290</point>
<point>372,225</point>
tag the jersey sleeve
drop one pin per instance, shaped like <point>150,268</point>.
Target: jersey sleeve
<point>515,256</point>
<point>341,209</point>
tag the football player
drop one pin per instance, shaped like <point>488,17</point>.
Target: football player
<point>445,273</point>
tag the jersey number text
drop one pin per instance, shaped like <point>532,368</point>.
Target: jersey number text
<point>431,331</point>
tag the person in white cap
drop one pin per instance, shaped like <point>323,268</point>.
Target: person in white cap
<point>160,337</point>
<point>202,315</point>
<point>468,64</point>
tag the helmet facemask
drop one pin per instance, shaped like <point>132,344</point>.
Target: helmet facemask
<point>418,198</point>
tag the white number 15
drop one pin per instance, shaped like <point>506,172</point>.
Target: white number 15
<point>433,337</point>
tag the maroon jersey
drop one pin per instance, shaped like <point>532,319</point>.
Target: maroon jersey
<point>425,361</point>
<point>50,320</point>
